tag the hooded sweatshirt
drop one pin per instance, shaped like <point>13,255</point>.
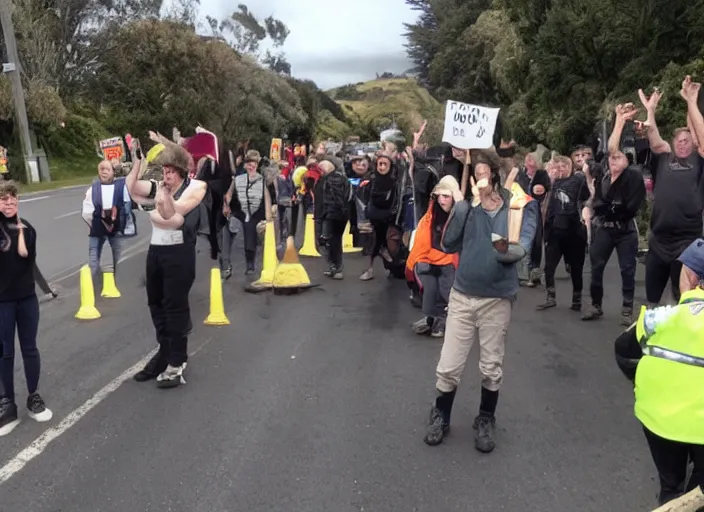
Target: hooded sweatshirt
<point>483,271</point>
<point>427,243</point>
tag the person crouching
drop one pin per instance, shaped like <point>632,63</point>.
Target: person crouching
<point>432,267</point>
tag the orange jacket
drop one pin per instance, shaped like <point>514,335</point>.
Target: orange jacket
<point>423,251</point>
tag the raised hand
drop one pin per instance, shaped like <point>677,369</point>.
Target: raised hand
<point>626,112</point>
<point>650,103</point>
<point>417,135</point>
<point>690,89</point>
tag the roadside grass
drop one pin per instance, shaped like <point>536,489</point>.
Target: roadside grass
<point>65,172</point>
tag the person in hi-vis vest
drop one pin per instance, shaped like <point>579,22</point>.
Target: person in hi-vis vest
<point>663,353</point>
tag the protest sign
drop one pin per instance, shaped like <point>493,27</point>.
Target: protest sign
<point>469,126</point>
<point>113,149</point>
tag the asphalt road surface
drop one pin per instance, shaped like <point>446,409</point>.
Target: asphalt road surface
<point>313,403</point>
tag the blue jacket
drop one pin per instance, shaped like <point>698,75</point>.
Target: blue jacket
<point>483,271</point>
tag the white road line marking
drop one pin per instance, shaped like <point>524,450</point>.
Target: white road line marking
<point>67,214</point>
<point>133,250</point>
<point>33,199</point>
<point>40,444</point>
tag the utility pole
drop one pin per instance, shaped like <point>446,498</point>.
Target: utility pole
<point>12,69</point>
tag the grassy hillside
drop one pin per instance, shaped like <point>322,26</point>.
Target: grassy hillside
<point>370,107</point>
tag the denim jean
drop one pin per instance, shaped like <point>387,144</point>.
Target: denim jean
<point>95,251</point>
<point>227,237</point>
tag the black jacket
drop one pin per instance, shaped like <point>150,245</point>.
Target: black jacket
<point>332,197</point>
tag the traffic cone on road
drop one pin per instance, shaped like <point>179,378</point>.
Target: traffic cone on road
<point>290,276</point>
<point>348,241</point>
<point>217,306</point>
<point>110,290</point>
<point>269,263</point>
<point>309,249</point>
<point>87,311</point>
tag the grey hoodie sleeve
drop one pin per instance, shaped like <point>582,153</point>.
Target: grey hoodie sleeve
<point>453,234</point>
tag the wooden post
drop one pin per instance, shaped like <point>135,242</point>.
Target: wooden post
<point>690,502</point>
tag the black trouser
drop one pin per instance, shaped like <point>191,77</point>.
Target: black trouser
<point>671,459</point>
<point>171,270</point>
<point>250,235</point>
<point>571,246</point>
<point>381,228</point>
<point>604,241</point>
<point>22,314</point>
<point>333,230</point>
<point>658,270</point>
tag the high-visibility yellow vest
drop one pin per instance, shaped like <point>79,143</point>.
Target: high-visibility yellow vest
<point>670,376</point>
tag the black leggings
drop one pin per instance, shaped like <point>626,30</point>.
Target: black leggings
<point>573,247</point>
<point>24,315</point>
<point>171,271</point>
<point>381,228</point>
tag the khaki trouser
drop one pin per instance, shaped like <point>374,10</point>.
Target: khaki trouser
<point>469,319</point>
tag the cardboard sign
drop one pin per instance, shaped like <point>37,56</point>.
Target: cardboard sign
<point>469,126</point>
<point>275,150</point>
<point>113,149</point>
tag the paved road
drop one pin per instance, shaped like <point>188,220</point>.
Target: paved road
<point>63,244</point>
<point>318,403</point>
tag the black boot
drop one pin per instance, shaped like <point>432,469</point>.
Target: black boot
<point>439,424</point>
<point>485,422</point>
<point>153,368</point>
<point>576,301</point>
<point>550,300</point>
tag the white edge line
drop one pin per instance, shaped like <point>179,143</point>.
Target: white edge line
<point>67,214</point>
<point>39,444</point>
<point>19,461</point>
<point>33,199</point>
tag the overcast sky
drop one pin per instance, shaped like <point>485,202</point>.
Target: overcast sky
<point>334,42</point>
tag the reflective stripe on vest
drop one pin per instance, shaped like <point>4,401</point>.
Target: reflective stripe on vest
<point>668,385</point>
<point>671,355</point>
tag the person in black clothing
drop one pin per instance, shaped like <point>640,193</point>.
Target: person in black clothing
<point>19,309</point>
<point>535,182</point>
<point>333,194</point>
<point>565,235</point>
<point>382,207</point>
<point>677,170</point>
<point>616,198</point>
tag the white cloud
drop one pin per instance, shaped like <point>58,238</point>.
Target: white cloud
<point>334,42</point>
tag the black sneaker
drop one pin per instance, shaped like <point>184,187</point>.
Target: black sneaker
<point>227,273</point>
<point>250,268</point>
<point>439,423</point>
<point>438,330</point>
<point>37,409</point>
<point>484,425</point>
<point>8,416</point>
<point>152,369</point>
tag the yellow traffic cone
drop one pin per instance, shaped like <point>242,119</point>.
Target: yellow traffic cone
<point>269,264</point>
<point>309,248</point>
<point>290,276</point>
<point>217,307</point>
<point>87,311</point>
<point>110,290</point>
<point>348,241</point>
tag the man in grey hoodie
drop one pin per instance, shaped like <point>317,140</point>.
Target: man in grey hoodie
<point>479,308</point>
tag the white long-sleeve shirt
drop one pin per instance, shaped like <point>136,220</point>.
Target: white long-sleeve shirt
<point>108,192</point>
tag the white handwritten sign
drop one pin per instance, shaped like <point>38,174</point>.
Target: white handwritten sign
<point>469,126</point>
